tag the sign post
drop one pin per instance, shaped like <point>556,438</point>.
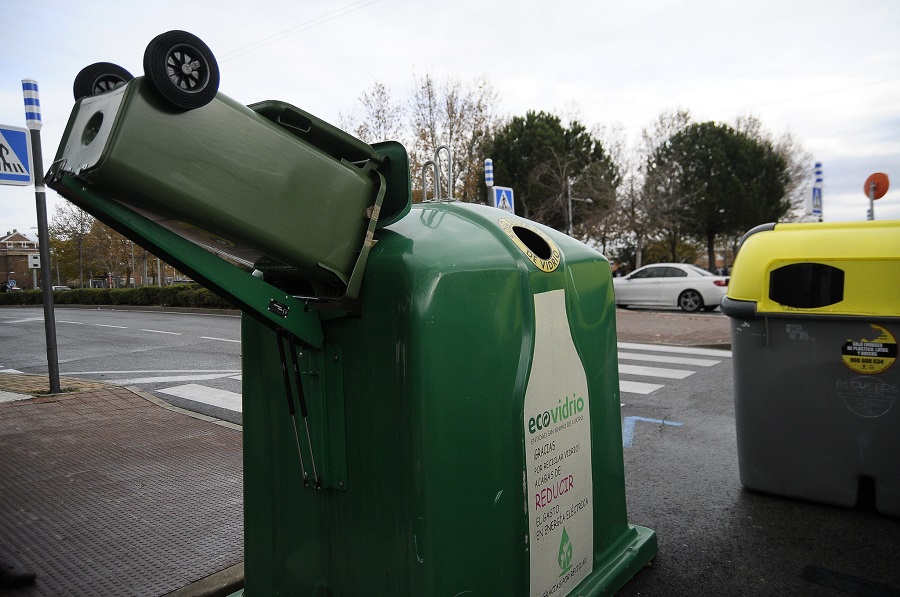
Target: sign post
<point>33,122</point>
<point>489,177</point>
<point>875,188</point>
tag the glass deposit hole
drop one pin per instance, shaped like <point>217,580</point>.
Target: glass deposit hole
<point>533,241</point>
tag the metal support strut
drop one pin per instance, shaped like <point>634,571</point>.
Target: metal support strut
<point>290,398</point>
<point>295,359</point>
<point>304,412</point>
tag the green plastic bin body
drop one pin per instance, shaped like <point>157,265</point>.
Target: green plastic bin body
<point>465,426</point>
<point>240,182</point>
<point>815,317</point>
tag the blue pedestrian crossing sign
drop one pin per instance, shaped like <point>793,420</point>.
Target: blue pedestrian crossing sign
<point>503,198</point>
<point>816,203</point>
<point>15,156</point>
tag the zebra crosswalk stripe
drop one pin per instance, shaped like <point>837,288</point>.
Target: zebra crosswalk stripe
<point>655,353</point>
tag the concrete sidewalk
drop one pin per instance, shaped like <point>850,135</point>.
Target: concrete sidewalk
<point>711,330</point>
<point>105,492</point>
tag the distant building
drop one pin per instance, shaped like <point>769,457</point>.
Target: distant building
<point>15,248</point>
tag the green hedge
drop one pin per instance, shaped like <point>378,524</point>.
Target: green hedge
<point>179,295</point>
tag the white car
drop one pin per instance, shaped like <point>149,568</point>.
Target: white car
<point>671,285</point>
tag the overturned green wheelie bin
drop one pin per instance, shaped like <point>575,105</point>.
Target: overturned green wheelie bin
<point>430,393</point>
<point>815,317</point>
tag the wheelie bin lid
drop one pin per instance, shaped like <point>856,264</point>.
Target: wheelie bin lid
<point>831,269</point>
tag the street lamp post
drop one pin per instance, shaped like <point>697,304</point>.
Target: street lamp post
<point>570,199</point>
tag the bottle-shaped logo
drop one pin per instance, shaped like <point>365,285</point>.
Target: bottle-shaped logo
<point>565,553</point>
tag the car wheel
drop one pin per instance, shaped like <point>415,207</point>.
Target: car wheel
<point>98,78</point>
<point>690,301</point>
<point>181,69</point>
<point>620,306</point>
<point>709,307</point>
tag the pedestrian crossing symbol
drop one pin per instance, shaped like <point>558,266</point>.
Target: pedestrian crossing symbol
<point>503,199</point>
<point>816,202</point>
<point>15,156</point>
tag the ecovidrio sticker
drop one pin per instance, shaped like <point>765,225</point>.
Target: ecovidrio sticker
<point>558,473</point>
<point>870,356</point>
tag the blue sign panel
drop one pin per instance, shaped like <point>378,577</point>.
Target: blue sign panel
<point>816,201</point>
<point>15,156</point>
<point>503,199</point>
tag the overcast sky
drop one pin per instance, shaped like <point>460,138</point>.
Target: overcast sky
<point>827,71</point>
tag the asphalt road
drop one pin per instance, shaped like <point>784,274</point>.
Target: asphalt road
<point>173,355</point>
<point>715,537</point>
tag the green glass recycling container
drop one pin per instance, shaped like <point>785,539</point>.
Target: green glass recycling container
<point>461,433</point>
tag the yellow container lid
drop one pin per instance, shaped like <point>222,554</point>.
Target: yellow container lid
<point>839,268</point>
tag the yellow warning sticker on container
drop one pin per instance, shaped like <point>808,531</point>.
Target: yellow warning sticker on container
<point>536,245</point>
<point>873,355</point>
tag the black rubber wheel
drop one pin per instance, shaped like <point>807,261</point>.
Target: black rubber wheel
<point>98,78</point>
<point>181,69</point>
<point>709,307</point>
<point>690,301</point>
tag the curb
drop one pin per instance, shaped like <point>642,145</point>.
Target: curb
<point>158,308</point>
<point>220,584</point>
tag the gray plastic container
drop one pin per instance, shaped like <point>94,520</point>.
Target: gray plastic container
<point>815,317</point>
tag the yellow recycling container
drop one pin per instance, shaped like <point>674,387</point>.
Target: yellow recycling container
<point>815,313</point>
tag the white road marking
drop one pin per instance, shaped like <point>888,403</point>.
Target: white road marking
<point>165,379</point>
<point>223,372</point>
<point>657,354</point>
<point>655,371</point>
<point>161,332</point>
<point>106,325</point>
<point>212,396</point>
<point>637,387</point>
<point>656,358</point>
<point>11,396</point>
<point>707,352</point>
<point>219,339</point>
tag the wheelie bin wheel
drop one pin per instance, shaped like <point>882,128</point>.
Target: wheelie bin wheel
<point>181,69</point>
<point>99,77</point>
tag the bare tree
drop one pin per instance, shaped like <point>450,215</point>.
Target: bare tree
<point>72,225</point>
<point>647,210</point>
<point>461,118</point>
<point>446,113</point>
<point>380,117</point>
<point>109,251</point>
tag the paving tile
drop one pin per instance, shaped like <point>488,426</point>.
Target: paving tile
<point>105,493</point>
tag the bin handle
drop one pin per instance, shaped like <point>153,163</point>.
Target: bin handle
<point>437,180</point>
<point>437,186</point>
